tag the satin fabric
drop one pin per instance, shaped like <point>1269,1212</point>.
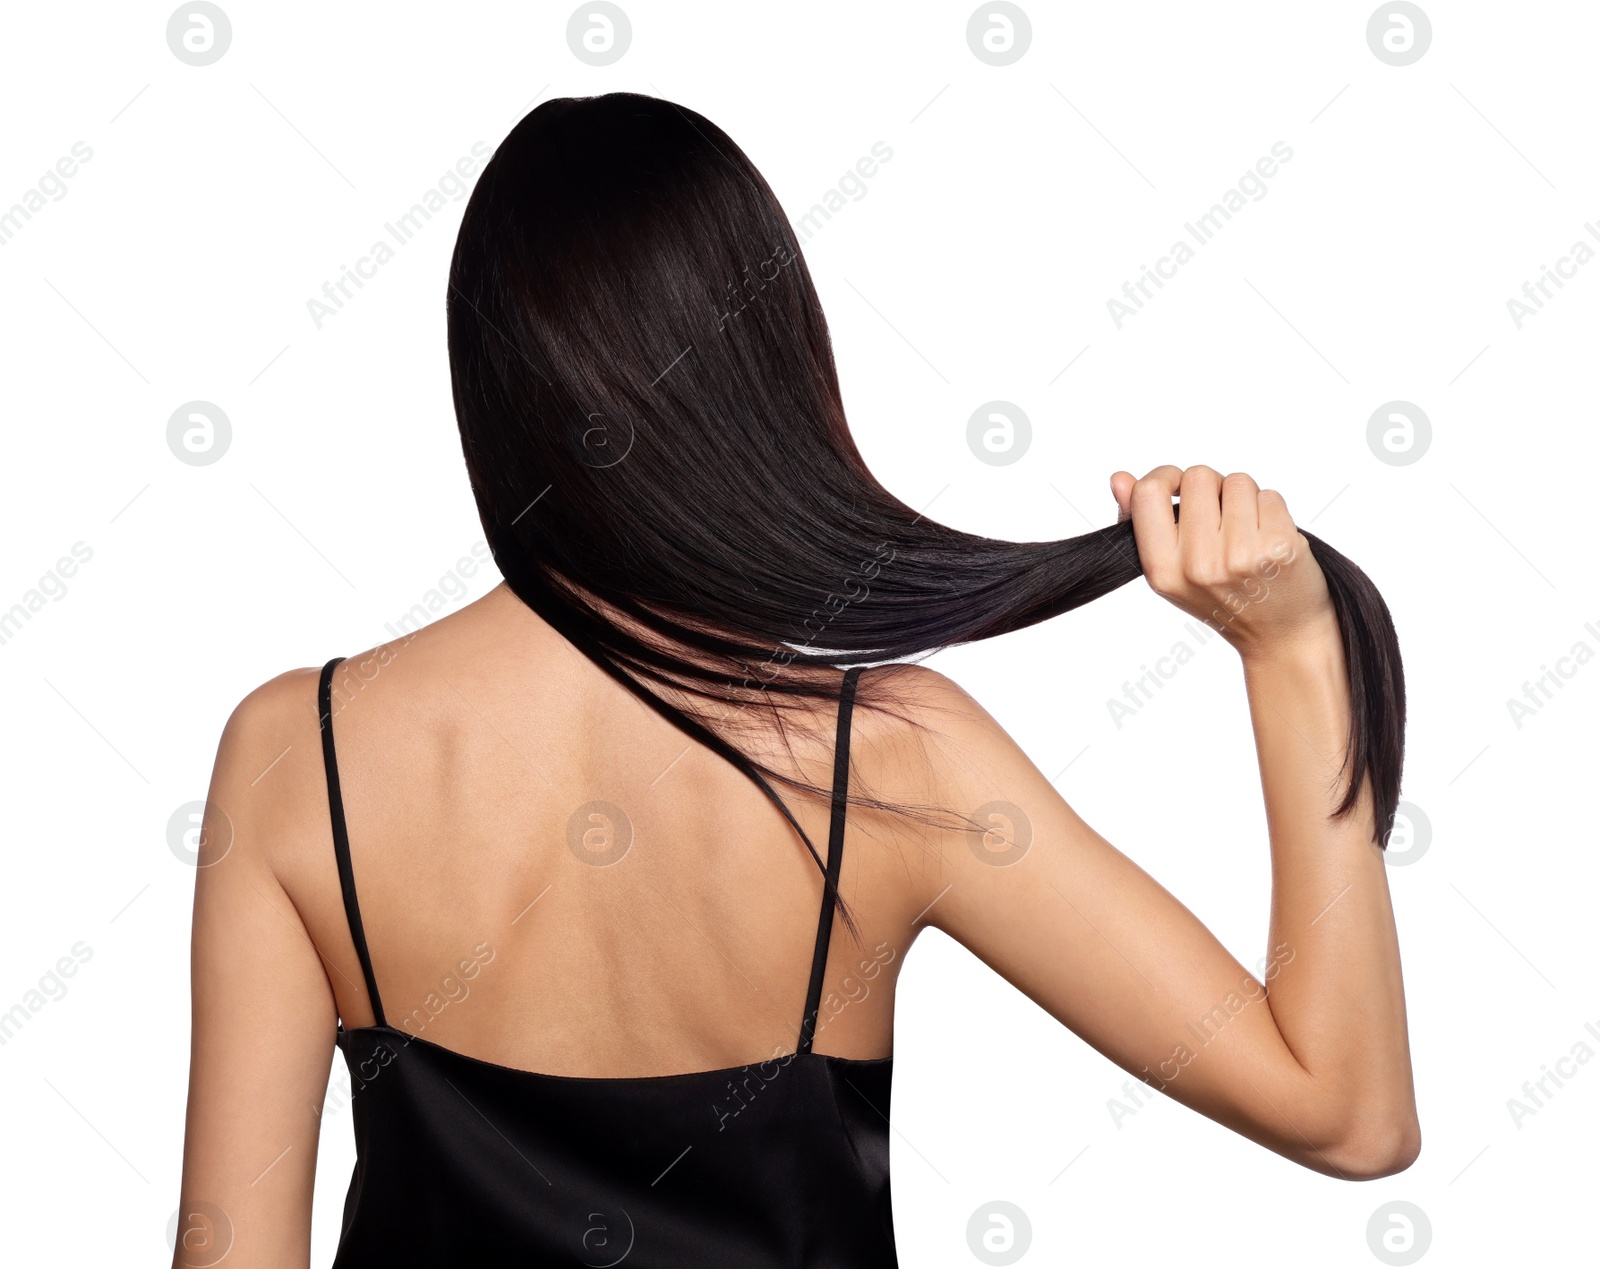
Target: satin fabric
<point>461,1161</point>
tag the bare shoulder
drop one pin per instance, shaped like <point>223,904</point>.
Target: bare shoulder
<point>924,742</point>
<point>286,700</point>
<point>931,690</point>
<point>917,715</point>
<point>280,714</point>
<point>407,693</point>
<point>268,798</point>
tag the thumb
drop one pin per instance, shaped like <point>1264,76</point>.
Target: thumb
<point>1122,491</point>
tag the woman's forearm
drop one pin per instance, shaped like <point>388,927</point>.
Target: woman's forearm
<point>1336,995</point>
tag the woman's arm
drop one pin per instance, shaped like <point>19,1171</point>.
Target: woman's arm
<point>263,1013</point>
<point>1310,1058</point>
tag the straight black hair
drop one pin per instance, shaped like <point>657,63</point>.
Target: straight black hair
<point>654,433</point>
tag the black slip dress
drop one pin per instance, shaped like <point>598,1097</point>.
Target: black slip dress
<point>460,1161</point>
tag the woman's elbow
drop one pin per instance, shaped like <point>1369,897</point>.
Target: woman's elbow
<point>1375,1146</point>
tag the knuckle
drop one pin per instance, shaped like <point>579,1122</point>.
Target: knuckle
<point>1165,581</point>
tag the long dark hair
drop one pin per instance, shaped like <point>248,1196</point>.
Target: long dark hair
<point>653,429</point>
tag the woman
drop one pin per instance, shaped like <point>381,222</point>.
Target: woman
<point>604,882</point>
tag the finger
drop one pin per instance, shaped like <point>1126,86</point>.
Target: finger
<point>1122,483</point>
<point>1276,526</point>
<point>1272,512</point>
<point>1240,496</point>
<point>1161,473</point>
<point>1155,532</point>
<point>1200,496</point>
<point>1241,546</point>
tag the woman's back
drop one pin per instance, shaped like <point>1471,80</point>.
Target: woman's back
<point>589,990</point>
<point>634,906</point>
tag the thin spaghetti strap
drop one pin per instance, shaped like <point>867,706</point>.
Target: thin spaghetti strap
<point>841,793</point>
<point>341,838</point>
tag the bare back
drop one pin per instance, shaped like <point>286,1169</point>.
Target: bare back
<point>553,878</point>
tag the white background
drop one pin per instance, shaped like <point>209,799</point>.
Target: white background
<point>975,267</point>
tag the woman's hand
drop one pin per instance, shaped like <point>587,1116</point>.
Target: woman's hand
<point>1233,558</point>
